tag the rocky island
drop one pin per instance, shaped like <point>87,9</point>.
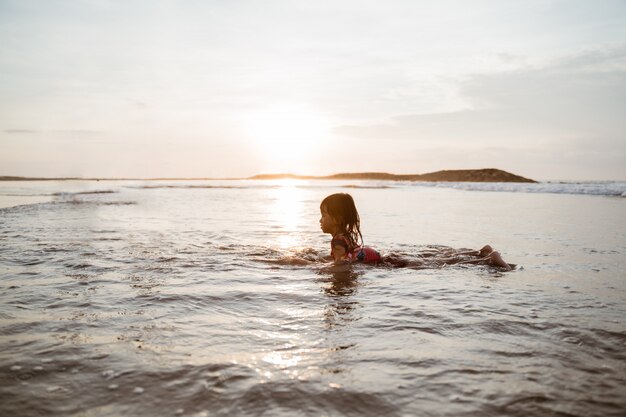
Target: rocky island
<point>462,175</point>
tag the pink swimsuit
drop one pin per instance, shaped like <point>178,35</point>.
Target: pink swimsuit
<point>357,254</point>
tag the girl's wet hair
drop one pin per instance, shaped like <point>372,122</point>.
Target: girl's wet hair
<point>341,207</point>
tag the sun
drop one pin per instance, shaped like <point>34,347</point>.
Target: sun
<point>287,135</point>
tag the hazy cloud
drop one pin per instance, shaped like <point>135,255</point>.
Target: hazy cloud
<point>19,131</point>
<point>85,132</point>
<point>577,99</point>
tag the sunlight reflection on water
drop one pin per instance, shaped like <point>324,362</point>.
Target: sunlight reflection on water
<point>287,212</point>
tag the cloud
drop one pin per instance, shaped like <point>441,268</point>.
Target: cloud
<point>19,131</point>
<point>85,132</point>
<point>577,99</point>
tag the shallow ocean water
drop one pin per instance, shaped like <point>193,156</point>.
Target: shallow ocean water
<point>183,298</point>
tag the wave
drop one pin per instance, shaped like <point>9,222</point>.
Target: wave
<point>62,193</point>
<point>238,187</point>
<point>600,188</point>
<point>259,186</point>
<point>367,186</point>
<point>74,202</point>
<point>96,203</point>
<point>58,194</point>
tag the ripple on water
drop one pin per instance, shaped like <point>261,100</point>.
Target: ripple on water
<point>112,308</point>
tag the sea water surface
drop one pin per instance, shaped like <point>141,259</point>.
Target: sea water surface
<point>188,298</point>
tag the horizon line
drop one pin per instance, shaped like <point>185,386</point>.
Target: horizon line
<point>363,175</point>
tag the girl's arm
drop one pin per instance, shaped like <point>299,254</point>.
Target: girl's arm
<point>334,268</point>
<point>339,254</point>
<point>340,263</point>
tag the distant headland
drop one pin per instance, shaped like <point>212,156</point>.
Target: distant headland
<point>461,175</point>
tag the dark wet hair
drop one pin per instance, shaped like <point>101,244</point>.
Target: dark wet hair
<point>341,207</point>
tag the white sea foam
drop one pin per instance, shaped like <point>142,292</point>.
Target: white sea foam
<point>605,188</point>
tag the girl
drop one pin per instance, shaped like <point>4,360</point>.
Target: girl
<point>341,220</point>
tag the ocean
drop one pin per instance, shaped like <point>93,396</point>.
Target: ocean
<point>211,298</point>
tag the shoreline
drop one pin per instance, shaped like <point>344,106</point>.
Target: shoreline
<point>466,175</point>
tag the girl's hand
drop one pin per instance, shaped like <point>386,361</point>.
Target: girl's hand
<point>341,266</point>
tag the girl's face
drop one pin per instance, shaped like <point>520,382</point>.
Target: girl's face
<point>327,222</point>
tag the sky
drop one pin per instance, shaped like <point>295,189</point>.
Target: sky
<point>218,88</point>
